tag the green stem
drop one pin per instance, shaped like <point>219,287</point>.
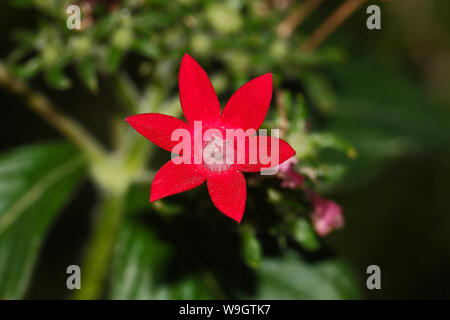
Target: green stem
<point>42,106</point>
<point>99,252</point>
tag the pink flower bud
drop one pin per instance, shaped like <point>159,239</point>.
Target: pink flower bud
<point>291,178</point>
<point>327,215</point>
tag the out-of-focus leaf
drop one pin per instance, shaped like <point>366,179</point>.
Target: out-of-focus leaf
<point>304,234</point>
<point>333,141</point>
<point>56,78</point>
<point>114,58</point>
<point>139,266</point>
<point>28,69</point>
<point>21,3</point>
<point>292,277</point>
<point>146,48</point>
<point>25,37</point>
<point>35,182</point>
<point>321,92</point>
<point>86,71</point>
<point>384,116</point>
<point>251,248</point>
<point>375,97</point>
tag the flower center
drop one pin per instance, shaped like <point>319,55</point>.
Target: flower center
<point>217,154</point>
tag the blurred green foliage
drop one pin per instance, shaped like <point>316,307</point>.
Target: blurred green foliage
<point>35,181</point>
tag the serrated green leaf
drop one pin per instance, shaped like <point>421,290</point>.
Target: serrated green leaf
<point>35,182</point>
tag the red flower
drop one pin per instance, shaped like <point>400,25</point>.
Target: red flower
<point>245,110</point>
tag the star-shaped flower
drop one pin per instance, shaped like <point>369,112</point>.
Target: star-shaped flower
<point>220,166</point>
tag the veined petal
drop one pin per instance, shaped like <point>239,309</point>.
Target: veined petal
<point>157,128</point>
<point>228,192</point>
<point>197,95</point>
<point>175,178</point>
<point>248,106</point>
<point>259,154</point>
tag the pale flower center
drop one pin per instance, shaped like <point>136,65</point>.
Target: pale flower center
<point>216,152</point>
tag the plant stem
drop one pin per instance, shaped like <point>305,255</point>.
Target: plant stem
<point>293,20</point>
<point>42,106</point>
<point>113,176</point>
<point>331,24</point>
<point>98,255</point>
<point>284,122</point>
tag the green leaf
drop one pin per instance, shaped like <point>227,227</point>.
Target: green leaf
<point>303,233</point>
<point>25,37</point>
<point>27,69</point>
<point>146,48</point>
<point>251,248</point>
<point>292,277</point>
<point>35,182</point>
<point>333,141</point>
<point>379,99</point>
<point>321,92</point>
<point>86,72</point>
<point>56,78</point>
<point>114,58</point>
<point>384,115</point>
<point>139,268</point>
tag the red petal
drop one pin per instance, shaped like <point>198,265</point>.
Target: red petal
<point>228,193</point>
<point>248,106</point>
<point>285,152</point>
<point>197,95</point>
<point>174,178</point>
<point>157,128</point>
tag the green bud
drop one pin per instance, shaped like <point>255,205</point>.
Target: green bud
<point>304,234</point>
<point>80,45</point>
<point>200,43</point>
<point>224,18</point>
<point>122,38</point>
<point>273,195</point>
<point>279,49</point>
<point>50,55</point>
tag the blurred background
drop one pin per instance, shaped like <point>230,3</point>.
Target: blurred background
<point>368,112</point>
